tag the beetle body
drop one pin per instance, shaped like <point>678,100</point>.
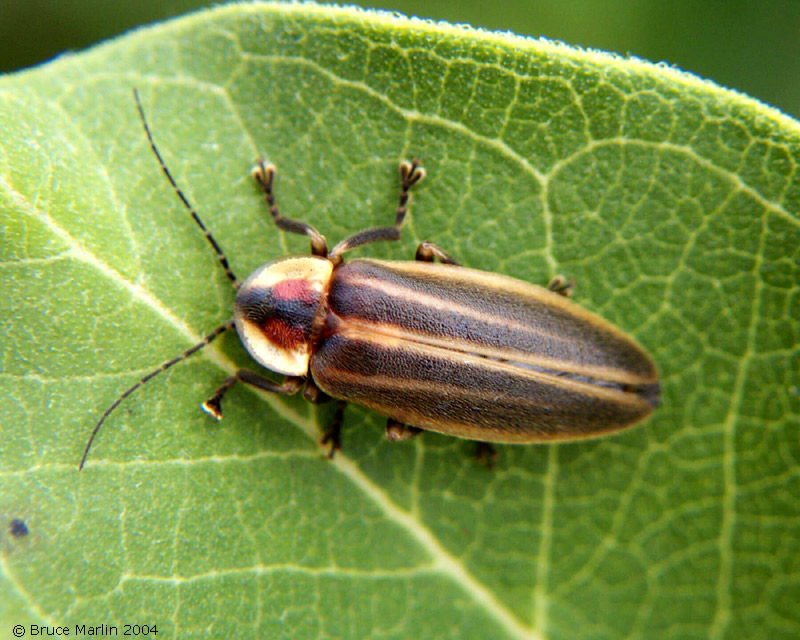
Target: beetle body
<point>435,347</point>
<point>445,348</point>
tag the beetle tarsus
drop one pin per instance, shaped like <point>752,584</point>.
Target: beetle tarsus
<point>313,394</point>
<point>398,432</point>
<point>411,173</point>
<point>427,252</point>
<point>333,436</point>
<point>213,407</point>
<point>562,286</point>
<point>486,454</point>
<point>263,174</point>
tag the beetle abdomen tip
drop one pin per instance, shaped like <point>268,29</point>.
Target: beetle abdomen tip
<point>651,393</point>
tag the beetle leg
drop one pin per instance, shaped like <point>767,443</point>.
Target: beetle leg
<point>264,175</point>
<point>410,174</point>
<point>562,286</point>
<point>313,393</point>
<point>334,434</point>
<point>397,431</point>
<point>486,454</point>
<point>427,251</point>
<point>213,406</point>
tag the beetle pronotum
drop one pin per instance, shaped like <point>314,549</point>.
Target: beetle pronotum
<point>432,346</point>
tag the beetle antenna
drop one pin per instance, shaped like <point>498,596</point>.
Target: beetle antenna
<point>220,255</point>
<point>206,340</point>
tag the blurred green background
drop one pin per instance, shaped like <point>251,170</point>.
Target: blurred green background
<point>749,45</point>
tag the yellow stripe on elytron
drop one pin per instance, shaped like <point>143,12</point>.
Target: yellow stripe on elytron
<point>434,302</point>
<point>416,298</point>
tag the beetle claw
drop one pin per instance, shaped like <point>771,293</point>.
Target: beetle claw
<point>411,173</point>
<point>397,431</point>
<point>334,437</point>
<point>213,407</point>
<point>263,174</point>
<point>562,286</point>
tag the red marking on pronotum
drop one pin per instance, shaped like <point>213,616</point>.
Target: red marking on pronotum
<point>282,334</point>
<point>295,290</point>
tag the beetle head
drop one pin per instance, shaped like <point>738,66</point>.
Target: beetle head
<point>275,308</point>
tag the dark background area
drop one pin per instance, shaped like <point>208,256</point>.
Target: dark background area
<point>752,46</point>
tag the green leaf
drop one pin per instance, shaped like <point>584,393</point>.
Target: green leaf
<point>672,202</point>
